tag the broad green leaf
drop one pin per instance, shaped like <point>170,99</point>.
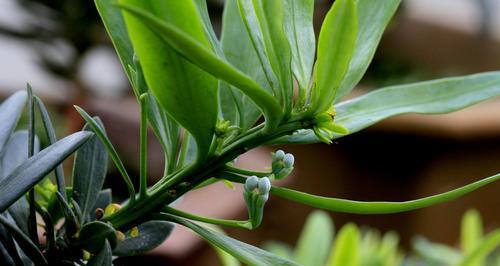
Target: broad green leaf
<point>481,251</point>
<point>24,177</point>
<point>24,242</point>
<point>300,33</point>
<point>164,128</point>
<point>373,17</point>
<point>335,50</point>
<point>377,207</point>
<point>151,235</point>
<point>429,97</point>
<point>345,251</point>
<point>51,136</point>
<point>204,58</point>
<point>93,236</point>
<point>433,253</point>
<point>245,253</point>
<point>10,111</point>
<point>185,91</point>
<point>103,258</point>
<point>471,233</point>
<point>89,172</point>
<point>315,240</point>
<point>237,107</point>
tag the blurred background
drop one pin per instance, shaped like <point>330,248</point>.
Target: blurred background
<point>62,50</point>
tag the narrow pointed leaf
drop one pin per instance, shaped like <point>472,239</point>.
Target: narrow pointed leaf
<point>103,258</point>
<point>246,253</point>
<point>428,97</point>
<point>335,49</point>
<point>8,248</point>
<point>151,235</point>
<point>70,219</point>
<point>29,248</point>
<point>299,30</point>
<point>315,240</point>
<point>111,150</point>
<point>471,231</point>
<point>201,56</point>
<point>35,168</point>
<point>185,91</point>
<point>345,251</point>
<point>16,152</point>
<point>373,18</point>
<point>265,24</point>
<point>10,111</point>
<point>482,250</point>
<point>377,207</point>
<point>89,173</point>
<point>236,106</point>
<point>51,136</point>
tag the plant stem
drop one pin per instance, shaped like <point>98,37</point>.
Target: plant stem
<point>240,224</point>
<point>245,172</point>
<point>32,226</point>
<point>143,176</point>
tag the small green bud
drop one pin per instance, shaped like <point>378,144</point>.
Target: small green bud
<point>251,183</point>
<point>325,128</point>
<point>264,186</point>
<point>134,232</point>
<point>289,160</point>
<point>282,164</point>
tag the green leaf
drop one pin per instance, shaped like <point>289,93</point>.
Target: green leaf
<point>436,253</point>
<point>15,152</point>
<point>8,248</point>
<point>300,33</point>
<point>481,251</point>
<point>70,219</point>
<point>10,111</point>
<point>335,50</point>
<point>186,92</point>
<point>345,251</point>
<point>103,258</point>
<point>35,168</point>
<point>264,21</point>
<point>204,58</point>
<point>244,252</point>
<point>429,97</point>
<point>164,128</point>
<point>89,172</point>
<point>151,235</point>
<point>51,136</point>
<point>471,231</point>
<point>315,240</point>
<point>24,242</point>
<point>377,207</point>
<point>111,150</point>
<point>373,17</point>
<point>236,106</point>
<point>93,236</point>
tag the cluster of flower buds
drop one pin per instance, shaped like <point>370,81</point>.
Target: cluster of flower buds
<point>256,193</point>
<point>324,127</point>
<point>223,130</point>
<point>282,164</point>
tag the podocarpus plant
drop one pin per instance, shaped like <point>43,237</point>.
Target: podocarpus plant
<point>209,100</point>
